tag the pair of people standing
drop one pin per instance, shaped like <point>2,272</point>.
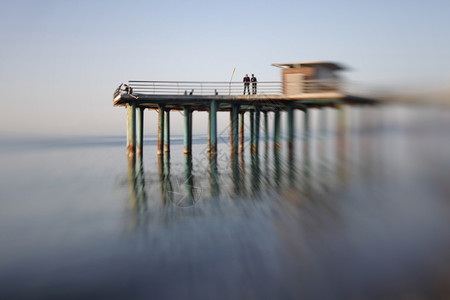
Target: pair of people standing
<point>247,81</point>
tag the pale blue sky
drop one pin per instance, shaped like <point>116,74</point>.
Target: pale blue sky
<point>60,61</point>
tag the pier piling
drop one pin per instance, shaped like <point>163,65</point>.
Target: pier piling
<point>131,128</point>
<point>167,130</point>
<point>140,131</point>
<point>256,128</point>
<point>290,126</point>
<point>241,132</point>
<point>160,150</point>
<point>266,131</point>
<point>187,130</point>
<point>212,130</point>
<point>276,131</point>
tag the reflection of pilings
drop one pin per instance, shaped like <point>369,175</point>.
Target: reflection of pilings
<point>235,173</point>
<point>277,168</point>
<point>132,180</point>
<point>290,126</point>
<point>140,186</point>
<point>306,123</point>
<point>252,130</point>
<point>212,128</point>
<point>322,149</point>
<point>187,130</point>
<point>266,131</point>
<point>136,185</point>
<point>241,132</point>
<point>306,154</point>
<point>131,129</point>
<point>188,183</point>
<point>167,130</point>
<point>276,132</point>
<point>255,146</point>
<point>167,183</point>
<point>342,143</point>
<point>213,176</point>
<point>160,150</point>
<point>234,126</point>
<point>256,181</point>
<point>140,131</point>
<point>161,177</point>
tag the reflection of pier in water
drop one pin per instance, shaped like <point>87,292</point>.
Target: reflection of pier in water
<point>247,175</point>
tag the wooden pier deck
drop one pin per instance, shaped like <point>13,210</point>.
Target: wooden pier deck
<point>222,96</point>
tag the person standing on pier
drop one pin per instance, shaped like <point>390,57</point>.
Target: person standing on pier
<point>253,80</point>
<point>246,84</point>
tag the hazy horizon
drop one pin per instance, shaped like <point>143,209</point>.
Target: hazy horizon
<point>61,61</point>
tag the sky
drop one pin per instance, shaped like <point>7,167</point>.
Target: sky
<point>60,61</point>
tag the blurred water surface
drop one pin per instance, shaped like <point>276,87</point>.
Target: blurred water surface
<point>360,209</point>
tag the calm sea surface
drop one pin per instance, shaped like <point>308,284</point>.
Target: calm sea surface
<point>360,210</point>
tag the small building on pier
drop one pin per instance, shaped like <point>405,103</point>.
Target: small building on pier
<point>310,77</point>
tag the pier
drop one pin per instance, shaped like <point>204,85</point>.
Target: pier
<point>295,92</point>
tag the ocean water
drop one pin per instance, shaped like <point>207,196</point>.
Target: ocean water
<point>359,210</point>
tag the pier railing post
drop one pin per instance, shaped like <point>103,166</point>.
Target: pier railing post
<point>131,128</point>
<point>140,131</point>
<point>167,130</point>
<point>160,150</point>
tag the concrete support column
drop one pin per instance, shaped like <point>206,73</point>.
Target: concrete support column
<point>140,131</point>
<point>131,129</point>
<point>256,128</point>
<point>234,128</point>
<point>167,131</point>
<point>241,132</point>
<point>187,130</point>
<point>266,131</point>
<point>160,150</point>
<point>290,126</point>
<point>212,130</point>
<point>276,131</point>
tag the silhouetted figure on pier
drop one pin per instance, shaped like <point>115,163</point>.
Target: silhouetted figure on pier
<point>253,80</point>
<point>192,92</point>
<point>246,84</point>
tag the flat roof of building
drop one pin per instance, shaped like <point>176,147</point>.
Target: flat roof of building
<point>327,64</point>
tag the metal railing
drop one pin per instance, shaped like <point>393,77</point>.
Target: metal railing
<point>230,88</point>
<point>202,88</point>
